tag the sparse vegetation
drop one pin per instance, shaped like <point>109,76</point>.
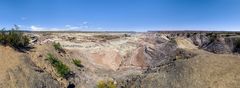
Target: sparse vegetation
<point>77,62</point>
<point>172,40</point>
<point>106,84</point>
<point>212,36</point>
<point>14,38</point>
<point>58,47</point>
<point>107,37</point>
<point>47,33</point>
<point>62,69</point>
<point>184,54</point>
<point>126,35</point>
<point>237,47</point>
<point>188,35</point>
<point>2,37</point>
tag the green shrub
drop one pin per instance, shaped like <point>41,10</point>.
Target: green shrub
<point>2,36</point>
<point>61,68</point>
<point>58,47</point>
<point>126,35</point>
<point>14,38</point>
<point>77,62</point>
<point>237,46</point>
<point>106,84</point>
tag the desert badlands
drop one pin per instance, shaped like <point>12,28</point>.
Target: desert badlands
<point>123,60</point>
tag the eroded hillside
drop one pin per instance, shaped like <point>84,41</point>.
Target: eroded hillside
<point>123,60</point>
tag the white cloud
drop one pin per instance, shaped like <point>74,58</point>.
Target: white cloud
<point>65,28</point>
<point>23,18</point>
<point>20,25</point>
<point>85,22</point>
<point>38,28</point>
<point>84,27</point>
<point>72,27</point>
<point>35,28</point>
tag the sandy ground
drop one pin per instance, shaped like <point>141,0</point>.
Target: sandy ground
<point>210,70</point>
<point>9,59</point>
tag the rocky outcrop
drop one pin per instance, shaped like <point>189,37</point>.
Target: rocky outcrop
<point>213,42</point>
<point>161,54</point>
<point>217,46</point>
<point>199,39</point>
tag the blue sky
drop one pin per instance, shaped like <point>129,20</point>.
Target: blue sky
<point>117,15</point>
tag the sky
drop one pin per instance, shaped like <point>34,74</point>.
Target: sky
<point>121,15</point>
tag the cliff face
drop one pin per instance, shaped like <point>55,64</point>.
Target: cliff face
<point>141,60</point>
